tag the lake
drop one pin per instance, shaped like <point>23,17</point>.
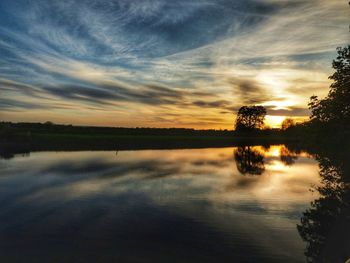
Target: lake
<point>234,204</point>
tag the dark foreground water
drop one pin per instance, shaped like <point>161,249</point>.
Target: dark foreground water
<point>203,205</point>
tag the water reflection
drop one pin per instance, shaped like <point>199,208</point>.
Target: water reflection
<point>155,206</point>
<point>325,226</point>
<point>249,160</point>
<point>288,157</point>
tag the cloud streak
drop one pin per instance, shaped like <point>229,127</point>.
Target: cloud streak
<point>168,61</point>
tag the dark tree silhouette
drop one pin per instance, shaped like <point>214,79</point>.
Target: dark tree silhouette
<point>250,118</point>
<point>287,123</point>
<point>249,160</point>
<point>325,226</point>
<point>336,106</point>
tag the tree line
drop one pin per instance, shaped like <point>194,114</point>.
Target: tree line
<point>329,116</point>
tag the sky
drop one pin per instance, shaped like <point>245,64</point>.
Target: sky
<point>159,63</point>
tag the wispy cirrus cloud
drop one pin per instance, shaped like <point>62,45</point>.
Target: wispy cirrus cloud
<point>170,61</point>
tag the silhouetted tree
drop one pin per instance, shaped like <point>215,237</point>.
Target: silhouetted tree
<point>336,106</point>
<point>250,118</point>
<point>287,123</point>
<point>249,160</point>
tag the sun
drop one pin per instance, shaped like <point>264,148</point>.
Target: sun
<point>274,121</point>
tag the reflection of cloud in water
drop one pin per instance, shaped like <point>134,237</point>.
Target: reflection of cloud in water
<point>206,173</point>
<point>203,185</point>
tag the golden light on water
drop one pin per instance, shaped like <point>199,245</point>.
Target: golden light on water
<point>274,151</point>
<point>285,184</point>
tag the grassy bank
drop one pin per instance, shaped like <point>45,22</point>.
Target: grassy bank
<point>20,138</point>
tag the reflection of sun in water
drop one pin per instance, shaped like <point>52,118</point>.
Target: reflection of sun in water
<point>277,166</point>
<point>273,151</point>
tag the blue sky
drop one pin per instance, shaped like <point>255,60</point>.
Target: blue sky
<point>165,63</point>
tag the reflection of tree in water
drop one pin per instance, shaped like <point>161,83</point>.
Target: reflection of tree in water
<point>249,160</point>
<point>287,156</point>
<point>326,225</point>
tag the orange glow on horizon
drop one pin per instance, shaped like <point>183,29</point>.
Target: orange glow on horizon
<point>276,121</point>
<point>211,120</point>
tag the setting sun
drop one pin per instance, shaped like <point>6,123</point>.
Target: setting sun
<point>274,121</point>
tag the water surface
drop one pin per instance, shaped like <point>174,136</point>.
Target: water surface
<point>202,205</point>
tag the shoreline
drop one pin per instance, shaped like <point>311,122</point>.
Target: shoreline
<point>59,142</point>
